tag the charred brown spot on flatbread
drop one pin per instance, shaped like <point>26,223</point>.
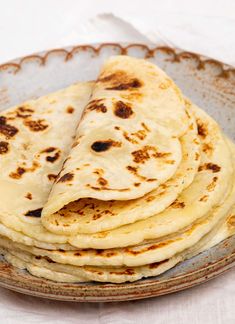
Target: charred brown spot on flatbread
<point>138,135</point>
<point>70,110</point>
<point>29,196</point>
<point>122,110</point>
<point>52,177</point>
<point>96,216</point>
<point>204,198</point>
<point>132,84</point>
<point>102,213</point>
<point>49,150</point>
<point>6,129</point>
<point>134,171</point>
<point>110,254</point>
<point>39,257</point>
<point>207,148</point>
<point>212,185</point>
<point>142,133</point>
<point>102,146</point>
<point>18,173</point>
<point>105,253</point>
<point>151,247</point>
<point>161,155</point>
<point>48,259</point>
<point>141,156</point>
<point>157,264</point>
<point>35,165</point>
<point>66,177</point>
<point>97,105</point>
<point>24,109</point>
<point>108,189</point>
<point>120,80</point>
<point>150,198</point>
<point>99,172</point>
<point>22,170</point>
<point>36,125</point>
<point>133,95</point>
<point>129,139</point>
<point>202,129</point>
<point>24,112</point>
<point>34,213</point>
<point>210,166</point>
<point>54,157</point>
<point>145,127</point>
<point>92,270</point>
<point>144,154</point>
<point>101,181</point>
<point>75,143</point>
<point>4,147</point>
<point>177,204</point>
<point>164,186</point>
<point>128,271</point>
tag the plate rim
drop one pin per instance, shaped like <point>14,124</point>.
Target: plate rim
<point>226,70</point>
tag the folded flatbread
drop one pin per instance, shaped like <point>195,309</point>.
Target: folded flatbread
<point>128,139</point>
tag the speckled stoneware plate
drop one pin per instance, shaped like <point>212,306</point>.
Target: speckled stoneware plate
<point>209,83</point>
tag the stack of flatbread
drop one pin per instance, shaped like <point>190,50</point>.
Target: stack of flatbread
<point>113,180</point>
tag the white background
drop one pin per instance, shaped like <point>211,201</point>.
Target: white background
<point>206,26</point>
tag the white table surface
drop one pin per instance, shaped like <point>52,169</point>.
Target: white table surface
<point>206,26</point>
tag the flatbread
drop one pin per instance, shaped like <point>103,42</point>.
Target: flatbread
<point>35,138</point>
<point>92,215</point>
<point>210,186</point>
<point>138,255</point>
<point>129,133</point>
<point>32,233</point>
<point>46,268</point>
<point>67,106</point>
<point>22,238</point>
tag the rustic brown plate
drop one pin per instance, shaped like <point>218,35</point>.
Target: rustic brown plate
<point>209,83</point>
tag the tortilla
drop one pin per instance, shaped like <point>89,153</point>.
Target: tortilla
<point>208,189</point>
<point>128,139</point>
<point>92,215</point>
<point>35,138</point>
<point>138,255</point>
<point>45,268</point>
<point>165,223</point>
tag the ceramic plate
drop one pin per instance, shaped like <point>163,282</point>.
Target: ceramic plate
<point>209,83</point>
